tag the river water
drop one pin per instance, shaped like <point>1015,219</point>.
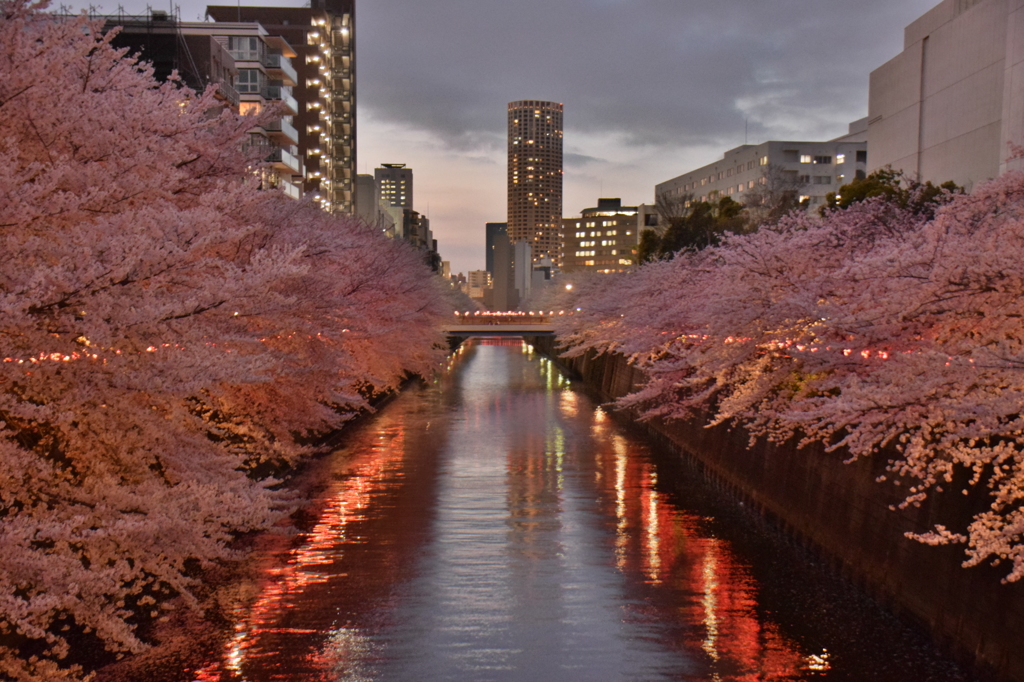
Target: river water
<point>499,525</point>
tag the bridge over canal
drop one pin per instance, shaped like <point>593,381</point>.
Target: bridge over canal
<point>509,323</point>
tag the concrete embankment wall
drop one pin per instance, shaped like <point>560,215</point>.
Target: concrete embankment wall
<point>842,512</point>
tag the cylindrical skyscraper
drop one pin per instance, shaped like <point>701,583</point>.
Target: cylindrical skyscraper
<point>535,175</point>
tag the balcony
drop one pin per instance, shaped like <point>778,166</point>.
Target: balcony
<point>290,190</point>
<point>284,162</point>
<point>282,129</point>
<point>280,67</point>
<point>280,94</point>
<point>227,93</point>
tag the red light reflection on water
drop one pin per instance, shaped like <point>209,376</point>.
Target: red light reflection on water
<point>257,631</point>
<point>690,576</point>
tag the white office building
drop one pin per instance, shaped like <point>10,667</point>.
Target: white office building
<point>951,103</point>
<point>815,168</point>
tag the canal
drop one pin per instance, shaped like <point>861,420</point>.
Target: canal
<point>500,525</point>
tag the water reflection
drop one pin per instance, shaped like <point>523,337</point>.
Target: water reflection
<point>499,526</point>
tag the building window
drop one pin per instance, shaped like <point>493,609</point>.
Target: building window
<point>823,159</point>
<point>840,158</point>
<point>764,160</point>
<point>244,48</point>
<point>822,179</point>
<point>862,156</point>
<point>248,81</point>
<point>806,158</point>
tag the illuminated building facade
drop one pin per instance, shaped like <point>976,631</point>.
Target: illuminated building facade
<point>394,182</point>
<point>535,176</point>
<point>603,239</point>
<point>323,36</point>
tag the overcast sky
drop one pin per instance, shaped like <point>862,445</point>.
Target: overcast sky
<point>652,89</point>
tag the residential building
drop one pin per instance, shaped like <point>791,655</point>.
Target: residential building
<point>492,231</point>
<point>951,104</point>
<point>813,168</point>
<point>266,77</point>
<point>170,45</point>
<point>603,239</point>
<point>250,68</point>
<point>535,175</point>
<point>394,181</point>
<point>323,36</point>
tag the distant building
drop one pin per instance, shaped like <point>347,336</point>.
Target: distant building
<point>603,239</point>
<point>535,175</point>
<point>522,269</point>
<point>492,231</point>
<point>814,168</point>
<point>369,206</point>
<point>323,36</point>
<point>394,181</point>
<point>502,294</point>
<point>479,282</point>
<point>950,105</point>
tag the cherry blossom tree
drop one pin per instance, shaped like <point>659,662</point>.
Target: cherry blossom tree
<point>877,327</point>
<point>170,340</point>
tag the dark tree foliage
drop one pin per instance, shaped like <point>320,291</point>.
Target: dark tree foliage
<point>920,198</point>
<point>690,225</point>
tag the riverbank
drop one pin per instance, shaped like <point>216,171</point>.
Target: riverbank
<point>842,512</point>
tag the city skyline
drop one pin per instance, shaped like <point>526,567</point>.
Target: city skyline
<point>672,87</point>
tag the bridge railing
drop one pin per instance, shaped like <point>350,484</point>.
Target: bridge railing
<point>478,317</point>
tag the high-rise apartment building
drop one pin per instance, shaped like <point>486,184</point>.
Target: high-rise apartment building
<point>535,176</point>
<point>323,36</point>
<point>394,181</point>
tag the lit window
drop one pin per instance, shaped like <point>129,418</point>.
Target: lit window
<point>805,158</point>
<point>840,158</point>
<point>764,160</point>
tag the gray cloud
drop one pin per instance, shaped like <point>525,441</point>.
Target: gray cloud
<point>653,72</point>
<point>579,160</point>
